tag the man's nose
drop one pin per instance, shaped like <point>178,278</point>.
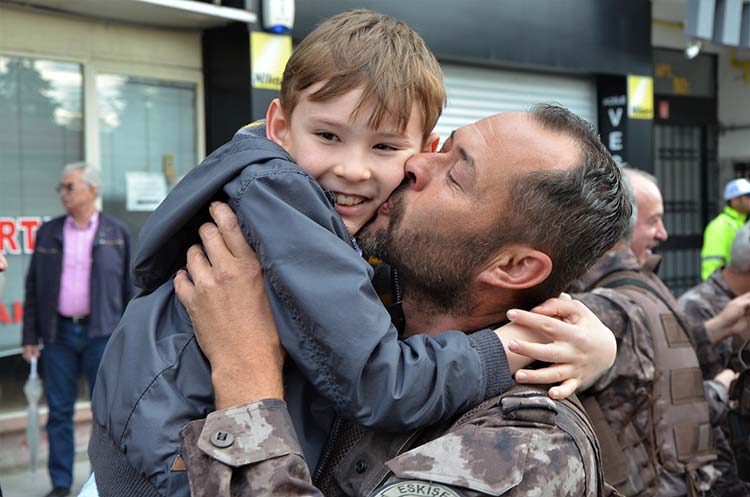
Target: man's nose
<point>661,232</point>
<point>418,170</point>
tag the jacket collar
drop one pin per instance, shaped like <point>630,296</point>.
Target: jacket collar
<point>618,260</point>
<point>736,216</point>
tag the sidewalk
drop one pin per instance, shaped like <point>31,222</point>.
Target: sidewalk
<point>16,478</point>
<point>24,483</point>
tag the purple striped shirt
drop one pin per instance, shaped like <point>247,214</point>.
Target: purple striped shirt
<point>75,281</point>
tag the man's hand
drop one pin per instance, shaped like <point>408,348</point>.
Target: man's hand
<point>726,377</point>
<point>30,351</point>
<point>231,315</point>
<point>3,263</point>
<point>734,319</point>
<point>581,347</point>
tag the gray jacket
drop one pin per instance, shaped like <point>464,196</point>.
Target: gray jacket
<point>345,354</point>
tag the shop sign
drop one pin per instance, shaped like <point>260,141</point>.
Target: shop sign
<point>269,54</point>
<point>18,234</point>
<point>144,191</point>
<point>612,126</point>
<point>640,97</point>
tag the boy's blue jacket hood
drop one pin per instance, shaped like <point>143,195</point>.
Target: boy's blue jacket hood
<point>173,227</point>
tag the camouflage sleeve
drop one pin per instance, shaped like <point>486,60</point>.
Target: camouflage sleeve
<point>711,356</point>
<point>246,450</point>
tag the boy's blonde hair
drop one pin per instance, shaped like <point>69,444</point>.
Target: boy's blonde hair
<point>381,55</point>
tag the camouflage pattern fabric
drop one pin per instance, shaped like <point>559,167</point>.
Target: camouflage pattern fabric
<point>701,303</point>
<point>252,450</point>
<point>625,391</point>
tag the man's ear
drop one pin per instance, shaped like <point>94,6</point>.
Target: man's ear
<point>431,143</point>
<point>517,268</point>
<point>277,124</point>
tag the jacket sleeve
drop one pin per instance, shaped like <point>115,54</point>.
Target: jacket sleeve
<point>333,325</point>
<point>246,451</point>
<point>717,245</point>
<point>30,334</point>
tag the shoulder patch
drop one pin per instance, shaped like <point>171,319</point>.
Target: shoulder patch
<point>416,488</point>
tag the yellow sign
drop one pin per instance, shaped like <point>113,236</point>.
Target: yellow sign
<point>268,56</point>
<point>640,97</point>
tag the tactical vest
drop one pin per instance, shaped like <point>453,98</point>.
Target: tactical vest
<point>522,405</point>
<point>679,436</point>
<point>531,404</point>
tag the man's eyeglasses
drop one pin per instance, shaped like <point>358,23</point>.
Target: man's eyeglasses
<point>68,187</point>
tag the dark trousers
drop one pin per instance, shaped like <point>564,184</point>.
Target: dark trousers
<point>72,353</point>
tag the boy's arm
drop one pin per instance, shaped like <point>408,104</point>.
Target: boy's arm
<point>331,321</point>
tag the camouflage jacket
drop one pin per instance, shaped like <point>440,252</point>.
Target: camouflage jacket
<point>701,303</point>
<point>513,445</point>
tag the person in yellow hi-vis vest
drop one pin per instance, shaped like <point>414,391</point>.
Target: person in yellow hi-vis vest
<point>719,234</point>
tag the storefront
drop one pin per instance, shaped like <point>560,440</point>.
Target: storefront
<point>124,92</point>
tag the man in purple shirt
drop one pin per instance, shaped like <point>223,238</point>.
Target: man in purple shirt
<point>77,288</point>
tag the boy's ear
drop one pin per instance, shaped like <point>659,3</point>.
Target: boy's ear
<point>431,143</point>
<point>516,268</point>
<point>277,124</point>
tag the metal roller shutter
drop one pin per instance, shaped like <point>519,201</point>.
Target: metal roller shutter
<point>475,93</point>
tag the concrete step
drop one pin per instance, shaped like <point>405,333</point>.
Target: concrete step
<point>14,447</point>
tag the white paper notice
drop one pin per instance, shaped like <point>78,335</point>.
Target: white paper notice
<point>145,191</point>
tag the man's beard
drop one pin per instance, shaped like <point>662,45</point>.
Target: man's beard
<point>436,267</point>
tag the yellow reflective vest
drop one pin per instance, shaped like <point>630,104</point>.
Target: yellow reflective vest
<point>718,238</point>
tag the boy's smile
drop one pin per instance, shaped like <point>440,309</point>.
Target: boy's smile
<point>338,147</point>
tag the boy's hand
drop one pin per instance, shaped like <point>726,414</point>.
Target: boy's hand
<point>582,348</point>
<point>231,315</point>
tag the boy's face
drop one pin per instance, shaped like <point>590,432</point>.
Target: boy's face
<point>359,164</point>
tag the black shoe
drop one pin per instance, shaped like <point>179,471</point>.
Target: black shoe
<point>58,492</point>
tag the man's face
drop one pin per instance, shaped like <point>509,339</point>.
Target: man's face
<point>649,228</point>
<point>455,200</point>
<point>75,193</point>
<point>743,204</point>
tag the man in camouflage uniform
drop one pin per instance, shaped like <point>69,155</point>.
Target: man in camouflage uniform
<point>623,402</point>
<point>521,443</point>
<point>719,299</point>
<point>722,296</point>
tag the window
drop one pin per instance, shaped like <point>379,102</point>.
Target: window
<point>145,126</point>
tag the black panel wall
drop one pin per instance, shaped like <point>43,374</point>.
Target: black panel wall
<point>583,36</point>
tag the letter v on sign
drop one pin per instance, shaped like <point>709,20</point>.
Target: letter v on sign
<point>615,116</point>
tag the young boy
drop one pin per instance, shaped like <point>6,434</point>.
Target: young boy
<point>359,96</point>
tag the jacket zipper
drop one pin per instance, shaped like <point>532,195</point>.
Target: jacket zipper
<point>397,294</point>
<point>330,445</point>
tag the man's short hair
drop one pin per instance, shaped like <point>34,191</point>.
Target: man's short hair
<point>739,260</point>
<point>90,175</point>
<point>381,55</point>
<point>573,215</point>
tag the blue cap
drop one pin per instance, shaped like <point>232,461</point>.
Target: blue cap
<point>736,188</point>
